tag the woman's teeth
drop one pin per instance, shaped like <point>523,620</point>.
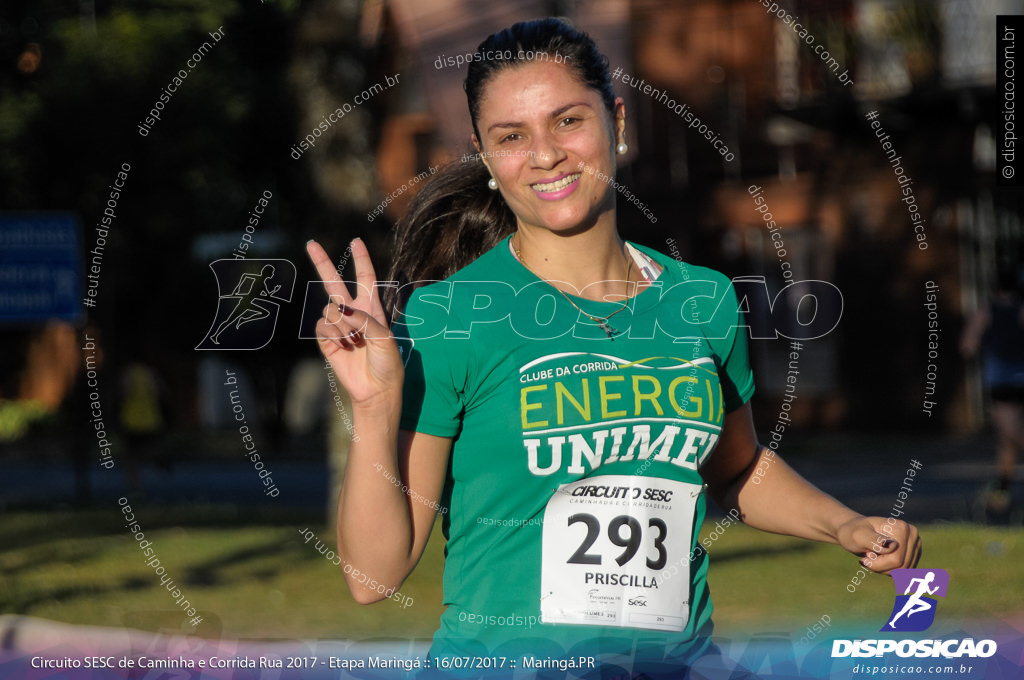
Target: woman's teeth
<point>557,184</point>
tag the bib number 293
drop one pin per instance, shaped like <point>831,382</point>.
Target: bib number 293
<point>607,540</point>
<point>631,542</point>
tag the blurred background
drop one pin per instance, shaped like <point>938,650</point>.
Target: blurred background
<point>78,82</point>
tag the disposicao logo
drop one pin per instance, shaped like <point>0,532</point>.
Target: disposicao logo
<point>914,611</point>
<point>251,293</point>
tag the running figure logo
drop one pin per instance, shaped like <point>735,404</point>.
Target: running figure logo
<point>247,316</point>
<point>914,610</point>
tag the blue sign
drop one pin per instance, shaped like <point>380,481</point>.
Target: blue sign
<point>40,267</point>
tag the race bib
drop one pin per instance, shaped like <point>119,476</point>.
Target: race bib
<point>606,541</point>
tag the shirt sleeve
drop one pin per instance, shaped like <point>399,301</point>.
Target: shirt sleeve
<point>727,335</point>
<point>435,374</point>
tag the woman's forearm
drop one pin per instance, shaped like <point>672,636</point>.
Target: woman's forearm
<point>374,526</point>
<point>771,496</point>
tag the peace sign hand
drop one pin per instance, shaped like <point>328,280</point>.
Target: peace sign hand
<point>353,333</point>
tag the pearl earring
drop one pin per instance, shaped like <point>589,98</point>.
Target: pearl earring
<point>621,149</point>
<point>492,184</point>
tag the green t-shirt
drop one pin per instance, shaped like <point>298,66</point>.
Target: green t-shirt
<point>597,441</point>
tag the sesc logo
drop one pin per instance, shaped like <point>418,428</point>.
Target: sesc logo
<point>915,611</point>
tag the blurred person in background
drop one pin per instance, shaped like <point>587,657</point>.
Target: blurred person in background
<point>997,331</point>
<point>143,411</point>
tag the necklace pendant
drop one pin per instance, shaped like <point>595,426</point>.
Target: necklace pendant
<point>608,330</point>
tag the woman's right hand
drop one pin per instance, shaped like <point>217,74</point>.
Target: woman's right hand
<point>353,332</point>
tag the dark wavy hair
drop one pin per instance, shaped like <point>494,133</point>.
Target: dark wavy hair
<point>455,218</point>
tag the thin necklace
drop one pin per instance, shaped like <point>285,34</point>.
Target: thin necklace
<point>601,321</point>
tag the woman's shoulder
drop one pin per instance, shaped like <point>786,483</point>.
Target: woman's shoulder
<point>434,297</point>
<point>676,270</point>
<point>494,265</point>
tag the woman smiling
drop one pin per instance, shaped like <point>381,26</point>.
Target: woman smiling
<point>471,399</point>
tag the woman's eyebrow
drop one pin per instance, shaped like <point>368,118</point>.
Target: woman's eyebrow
<point>554,114</point>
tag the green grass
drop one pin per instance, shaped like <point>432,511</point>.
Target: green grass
<point>763,582</point>
<point>261,580</point>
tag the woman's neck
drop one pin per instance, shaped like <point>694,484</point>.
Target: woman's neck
<point>592,264</point>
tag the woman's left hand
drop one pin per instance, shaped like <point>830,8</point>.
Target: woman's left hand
<point>882,545</point>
